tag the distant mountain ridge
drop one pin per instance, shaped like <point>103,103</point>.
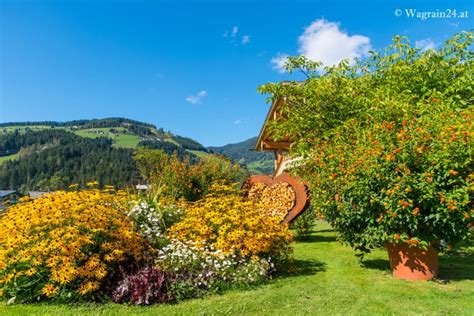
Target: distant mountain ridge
<point>84,123</point>
<point>245,153</point>
<point>144,134</point>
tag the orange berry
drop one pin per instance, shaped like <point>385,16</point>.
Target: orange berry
<point>453,172</point>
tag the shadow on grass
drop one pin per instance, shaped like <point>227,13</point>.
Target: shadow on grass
<point>458,266</point>
<point>316,238</point>
<point>376,264</point>
<point>302,267</point>
<point>325,231</point>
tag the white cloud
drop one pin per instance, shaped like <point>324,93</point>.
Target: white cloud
<point>235,30</point>
<point>196,99</point>
<point>279,61</point>
<point>245,39</point>
<point>425,44</point>
<point>324,41</point>
<point>237,122</point>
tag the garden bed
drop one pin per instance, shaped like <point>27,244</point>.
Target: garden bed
<point>329,279</point>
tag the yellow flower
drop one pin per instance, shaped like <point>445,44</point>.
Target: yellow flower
<point>92,183</point>
<point>49,290</point>
<point>55,233</point>
<point>233,224</point>
<point>88,287</point>
<point>30,272</point>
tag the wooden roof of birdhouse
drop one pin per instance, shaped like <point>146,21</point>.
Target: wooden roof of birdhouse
<point>266,140</point>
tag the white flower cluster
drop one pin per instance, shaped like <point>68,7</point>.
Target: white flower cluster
<point>151,221</point>
<point>209,268</point>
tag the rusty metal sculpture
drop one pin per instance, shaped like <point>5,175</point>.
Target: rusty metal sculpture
<point>297,184</point>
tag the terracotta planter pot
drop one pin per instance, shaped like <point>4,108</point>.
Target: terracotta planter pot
<point>412,263</point>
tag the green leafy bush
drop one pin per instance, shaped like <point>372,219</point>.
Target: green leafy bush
<point>386,143</point>
<point>173,178</point>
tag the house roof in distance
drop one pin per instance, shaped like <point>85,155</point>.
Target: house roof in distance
<point>36,194</point>
<point>4,193</point>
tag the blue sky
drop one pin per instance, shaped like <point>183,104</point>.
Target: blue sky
<point>190,67</point>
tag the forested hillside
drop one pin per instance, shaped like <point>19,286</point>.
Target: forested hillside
<point>243,152</point>
<point>51,155</point>
<point>53,159</point>
<point>83,124</point>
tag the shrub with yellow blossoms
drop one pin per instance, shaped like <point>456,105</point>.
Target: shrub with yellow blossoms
<point>233,224</point>
<point>65,245</point>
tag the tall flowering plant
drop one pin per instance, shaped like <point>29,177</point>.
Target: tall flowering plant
<point>233,224</point>
<point>152,218</point>
<point>386,144</point>
<point>410,182</point>
<point>65,246</point>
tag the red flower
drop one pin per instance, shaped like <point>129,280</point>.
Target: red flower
<point>396,236</point>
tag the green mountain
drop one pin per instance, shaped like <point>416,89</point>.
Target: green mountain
<point>257,162</point>
<point>51,155</point>
<point>123,132</point>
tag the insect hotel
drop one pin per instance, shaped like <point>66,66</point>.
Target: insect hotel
<point>285,193</point>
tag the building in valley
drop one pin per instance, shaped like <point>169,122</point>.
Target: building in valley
<point>8,198</point>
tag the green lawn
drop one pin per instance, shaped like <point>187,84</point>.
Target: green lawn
<point>329,281</point>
